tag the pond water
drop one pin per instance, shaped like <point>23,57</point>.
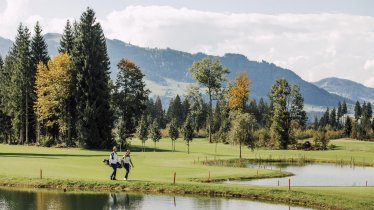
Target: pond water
<point>316,175</point>
<point>11,199</point>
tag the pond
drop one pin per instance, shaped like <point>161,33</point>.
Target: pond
<point>11,199</point>
<point>315,174</point>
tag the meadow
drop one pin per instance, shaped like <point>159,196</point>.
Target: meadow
<point>153,172</point>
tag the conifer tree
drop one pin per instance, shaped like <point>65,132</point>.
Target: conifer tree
<point>142,131</point>
<point>21,73</point>
<point>39,54</point>
<point>130,95</point>
<point>188,132</point>
<point>159,113</point>
<point>67,39</point>
<point>91,69</point>
<point>155,133</point>
<point>357,110</point>
<point>173,132</point>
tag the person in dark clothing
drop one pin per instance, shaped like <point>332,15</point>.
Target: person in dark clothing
<point>113,160</point>
<point>126,164</point>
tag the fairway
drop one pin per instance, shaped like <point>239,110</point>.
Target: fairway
<point>85,166</point>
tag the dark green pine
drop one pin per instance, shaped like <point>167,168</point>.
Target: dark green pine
<point>91,66</point>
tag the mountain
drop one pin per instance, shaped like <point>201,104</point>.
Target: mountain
<point>167,74</point>
<point>347,88</point>
<point>5,45</point>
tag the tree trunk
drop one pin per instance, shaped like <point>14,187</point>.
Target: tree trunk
<point>240,150</point>
<point>26,117</point>
<point>188,146</point>
<point>154,149</point>
<point>210,117</point>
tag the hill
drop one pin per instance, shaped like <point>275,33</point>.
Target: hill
<point>347,88</point>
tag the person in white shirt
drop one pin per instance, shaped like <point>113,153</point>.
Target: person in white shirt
<point>113,160</point>
<point>126,164</point>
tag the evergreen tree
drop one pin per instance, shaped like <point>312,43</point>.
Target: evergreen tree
<point>185,108</point>
<point>39,48</point>
<point>339,113</point>
<point>348,126</point>
<point>155,133</point>
<point>357,110</point>
<point>217,120</point>
<point>264,113</point>
<point>159,113</point>
<point>130,95</point>
<point>297,113</point>
<point>315,124</point>
<point>325,119</point>
<point>198,109</point>
<point>209,73</point>
<point>5,121</point>
<point>142,131</point>
<point>333,118</point>
<point>173,132</point>
<point>287,110</point>
<point>176,110</point>
<point>39,54</point>
<point>188,131</point>
<point>344,108</point>
<point>19,67</point>
<point>91,69</point>
<point>67,39</point>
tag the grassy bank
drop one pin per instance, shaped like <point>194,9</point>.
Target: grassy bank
<point>153,172</point>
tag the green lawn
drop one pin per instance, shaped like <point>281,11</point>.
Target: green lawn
<point>66,166</point>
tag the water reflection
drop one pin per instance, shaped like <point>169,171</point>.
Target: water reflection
<point>316,175</point>
<point>43,200</point>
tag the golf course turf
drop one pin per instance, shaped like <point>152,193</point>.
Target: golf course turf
<point>78,169</point>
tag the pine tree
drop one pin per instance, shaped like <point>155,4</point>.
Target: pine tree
<point>333,118</point>
<point>5,121</point>
<point>21,77</point>
<point>173,132</point>
<point>348,127</point>
<point>344,108</point>
<point>159,113</point>
<point>39,54</point>
<point>339,113</point>
<point>211,74</point>
<point>142,131</point>
<point>357,110</point>
<point>130,95</point>
<point>280,127</point>
<point>91,69</point>
<point>155,133</point>
<point>297,113</point>
<point>67,39</point>
<point>188,131</point>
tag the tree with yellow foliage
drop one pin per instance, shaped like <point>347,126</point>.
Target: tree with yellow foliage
<point>239,92</point>
<point>52,90</point>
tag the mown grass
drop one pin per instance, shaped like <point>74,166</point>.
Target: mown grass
<point>153,172</point>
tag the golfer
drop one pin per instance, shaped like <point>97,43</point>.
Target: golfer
<point>113,160</point>
<point>126,164</point>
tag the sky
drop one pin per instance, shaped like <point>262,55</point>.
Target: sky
<point>314,38</point>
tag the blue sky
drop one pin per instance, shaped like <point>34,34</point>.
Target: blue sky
<point>314,38</point>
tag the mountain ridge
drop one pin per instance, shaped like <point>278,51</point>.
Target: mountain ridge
<point>167,74</point>
<point>347,88</point>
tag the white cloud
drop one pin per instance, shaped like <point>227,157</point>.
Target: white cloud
<point>369,65</point>
<point>369,82</point>
<point>313,45</point>
<point>11,16</point>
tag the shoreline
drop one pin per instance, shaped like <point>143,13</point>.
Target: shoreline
<point>279,195</point>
